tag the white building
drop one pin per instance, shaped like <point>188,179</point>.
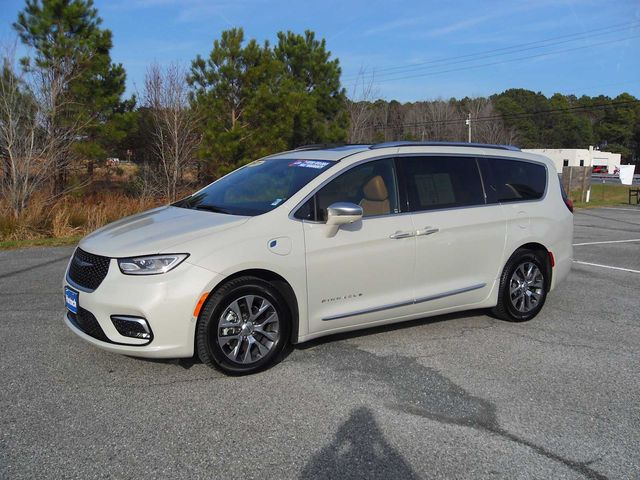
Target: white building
<point>579,157</point>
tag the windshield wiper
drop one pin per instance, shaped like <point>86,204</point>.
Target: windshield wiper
<point>211,208</point>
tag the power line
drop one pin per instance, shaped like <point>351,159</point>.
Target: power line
<point>481,57</point>
<point>471,67</point>
<point>575,108</point>
<point>507,50</point>
<point>515,116</point>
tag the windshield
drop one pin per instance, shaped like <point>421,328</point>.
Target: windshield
<point>257,187</point>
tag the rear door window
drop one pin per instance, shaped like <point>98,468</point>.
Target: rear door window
<point>510,180</point>
<point>442,182</point>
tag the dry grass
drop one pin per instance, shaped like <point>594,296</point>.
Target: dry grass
<point>70,216</point>
<point>112,193</point>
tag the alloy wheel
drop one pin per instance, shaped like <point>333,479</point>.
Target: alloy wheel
<point>248,329</point>
<point>526,287</point>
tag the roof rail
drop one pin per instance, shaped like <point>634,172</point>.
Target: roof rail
<point>320,146</point>
<point>404,143</point>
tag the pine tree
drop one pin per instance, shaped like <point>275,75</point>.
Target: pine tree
<point>257,99</point>
<point>70,45</point>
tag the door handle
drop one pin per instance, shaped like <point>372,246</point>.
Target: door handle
<point>400,234</point>
<point>427,231</point>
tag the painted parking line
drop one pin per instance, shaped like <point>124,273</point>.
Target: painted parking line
<point>606,266</point>
<point>624,209</point>
<point>607,241</point>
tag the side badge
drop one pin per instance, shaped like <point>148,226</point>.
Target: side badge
<point>280,245</point>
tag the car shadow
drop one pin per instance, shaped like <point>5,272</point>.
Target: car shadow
<point>187,363</point>
<point>359,450</point>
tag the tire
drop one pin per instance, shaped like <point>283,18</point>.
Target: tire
<point>523,287</point>
<point>243,327</point>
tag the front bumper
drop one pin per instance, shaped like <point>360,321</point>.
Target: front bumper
<point>167,302</point>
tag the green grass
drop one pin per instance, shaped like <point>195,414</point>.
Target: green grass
<point>603,195</point>
<point>39,242</point>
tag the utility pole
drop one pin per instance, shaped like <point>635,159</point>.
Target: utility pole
<point>467,122</point>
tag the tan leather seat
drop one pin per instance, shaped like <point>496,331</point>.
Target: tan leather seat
<point>376,197</point>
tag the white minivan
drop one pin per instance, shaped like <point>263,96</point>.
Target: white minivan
<point>321,240</point>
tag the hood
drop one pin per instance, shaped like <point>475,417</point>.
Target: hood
<point>156,231</point>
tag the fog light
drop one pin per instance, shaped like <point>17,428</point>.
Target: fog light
<point>133,327</point>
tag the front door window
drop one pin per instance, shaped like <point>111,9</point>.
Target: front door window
<point>371,185</point>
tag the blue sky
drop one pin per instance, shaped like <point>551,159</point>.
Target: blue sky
<point>415,50</point>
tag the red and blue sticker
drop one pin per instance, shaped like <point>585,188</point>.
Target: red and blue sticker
<point>317,164</point>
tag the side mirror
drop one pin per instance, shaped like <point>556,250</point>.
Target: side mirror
<point>341,213</point>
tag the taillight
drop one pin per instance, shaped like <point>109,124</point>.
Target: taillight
<point>569,204</point>
<point>565,197</point>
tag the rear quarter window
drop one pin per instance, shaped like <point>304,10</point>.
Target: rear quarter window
<point>510,180</point>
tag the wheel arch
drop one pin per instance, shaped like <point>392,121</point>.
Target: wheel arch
<point>544,255</point>
<point>280,284</point>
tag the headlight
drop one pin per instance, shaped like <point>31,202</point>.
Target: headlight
<point>151,264</point>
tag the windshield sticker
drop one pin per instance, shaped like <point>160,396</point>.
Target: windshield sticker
<point>309,164</point>
<point>255,163</point>
<point>276,202</point>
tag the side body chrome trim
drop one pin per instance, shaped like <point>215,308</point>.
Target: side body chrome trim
<point>450,293</point>
<point>408,302</point>
<point>369,310</point>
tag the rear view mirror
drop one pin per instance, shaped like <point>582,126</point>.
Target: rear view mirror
<point>341,213</point>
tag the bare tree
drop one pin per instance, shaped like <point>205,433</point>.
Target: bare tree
<point>488,126</point>
<point>175,134</point>
<point>35,136</point>
<point>444,121</point>
<point>415,119</point>
<point>360,107</point>
<point>380,121</point>
<point>147,183</point>
<point>432,120</point>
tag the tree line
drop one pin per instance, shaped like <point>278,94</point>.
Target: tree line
<point>516,116</point>
<point>63,108</point>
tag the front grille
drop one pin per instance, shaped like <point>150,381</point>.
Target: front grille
<point>88,270</point>
<point>86,321</point>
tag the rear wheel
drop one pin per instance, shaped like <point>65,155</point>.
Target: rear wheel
<point>523,287</point>
<point>243,327</point>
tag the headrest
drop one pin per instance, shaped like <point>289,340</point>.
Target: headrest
<point>375,189</point>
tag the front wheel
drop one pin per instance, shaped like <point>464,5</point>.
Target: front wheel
<point>523,287</point>
<point>243,327</point>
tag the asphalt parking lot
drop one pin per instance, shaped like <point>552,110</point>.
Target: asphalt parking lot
<point>461,396</point>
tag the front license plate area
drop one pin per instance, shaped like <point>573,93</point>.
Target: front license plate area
<point>71,300</point>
